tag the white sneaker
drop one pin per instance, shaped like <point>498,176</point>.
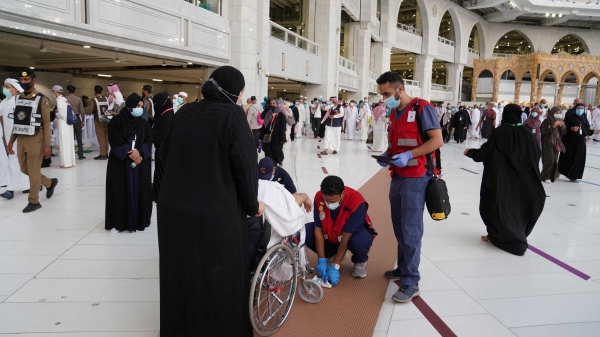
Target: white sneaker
<point>547,181</point>
<point>114,231</point>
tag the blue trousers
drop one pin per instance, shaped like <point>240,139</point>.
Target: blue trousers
<point>407,201</point>
<point>360,244</point>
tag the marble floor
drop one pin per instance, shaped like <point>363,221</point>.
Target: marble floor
<point>62,274</point>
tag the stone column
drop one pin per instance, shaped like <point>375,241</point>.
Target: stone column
<point>423,72</point>
<point>495,89</point>
<point>455,71</point>
<point>474,88</point>
<point>517,92</point>
<point>247,28</point>
<point>581,91</point>
<point>559,90</point>
<point>357,44</point>
<point>380,57</point>
<point>327,34</point>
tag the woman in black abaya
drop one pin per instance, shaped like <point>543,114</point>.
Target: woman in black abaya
<point>571,163</point>
<point>128,189</point>
<point>512,195</point>
<point>163,116</point>
<point>209,184</point>
<point>276,126</point>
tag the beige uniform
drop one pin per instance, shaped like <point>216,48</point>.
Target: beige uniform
<point>101,127</point>
<point>30,149</point>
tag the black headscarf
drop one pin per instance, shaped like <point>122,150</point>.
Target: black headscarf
<point>224,85</point>
<point>161,103</point>
<point>511,114</point>
<point>125,125</point>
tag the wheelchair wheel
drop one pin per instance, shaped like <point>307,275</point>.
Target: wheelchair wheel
<point>273,289</point>
<point>310,291</point>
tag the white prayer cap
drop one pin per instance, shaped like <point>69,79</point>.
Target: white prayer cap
<point>184,94</point>
<point>14,83</point>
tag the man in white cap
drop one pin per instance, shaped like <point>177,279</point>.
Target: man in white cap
<point>175,103</point>
<point>333,126</point>
<point>182,99</point>
<point>12,176</point>
<point>65,131</point>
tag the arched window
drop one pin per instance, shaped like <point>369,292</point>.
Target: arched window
<point>513,42</point>
<point>569,44</point>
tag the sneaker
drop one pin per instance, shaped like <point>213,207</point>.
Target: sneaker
<point>360,270</point>
<point>393,274</point>
<point>330,260</point>
<point>406,294</point>
<point>27,191</point>
<point>114,231</point>
<point>574,180</point>
<point>50,190</point>
<point>334,152</point>
<point>81,158</point>
<point>547,181</point>
<point>7,195</point>
<point>32,207</point>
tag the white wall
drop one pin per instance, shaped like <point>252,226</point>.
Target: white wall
<point>296,61</point>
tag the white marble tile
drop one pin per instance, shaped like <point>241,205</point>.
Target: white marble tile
<point>477,326</point>
<point>415,327</point>
<point>432,280</point>
<point>122,238</point>
<point>9,283</point>
<point>526,285</point>
<point>72,223</point>
<point>501,266</point>
<point>31,248</point>
<point>86,334</point>
<point>88,290</point>
<point>588,329</point>
<point>111,252</point>
<point>60,214</point>
<point>468,252</point>
<point>545,310</point>
<point>96,269</point>
<point>24,264</point>
<point>80,316</point>
<point>451,303</point>
<point>385,316</point>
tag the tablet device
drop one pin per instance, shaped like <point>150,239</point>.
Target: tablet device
<point>382,158</point>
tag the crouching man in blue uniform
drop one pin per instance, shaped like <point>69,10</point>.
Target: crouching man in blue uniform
<point>341,223</point>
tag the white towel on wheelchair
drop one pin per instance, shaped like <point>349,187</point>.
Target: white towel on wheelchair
<point>285,217</point>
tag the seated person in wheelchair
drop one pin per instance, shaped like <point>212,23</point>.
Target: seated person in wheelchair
<point>341,223</point>
<point>268,171</point>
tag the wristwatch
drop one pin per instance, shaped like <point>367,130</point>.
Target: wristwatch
<point>336,266</point>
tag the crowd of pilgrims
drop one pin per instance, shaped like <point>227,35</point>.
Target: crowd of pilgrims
<point>197,187</point>
<point>560,133</point>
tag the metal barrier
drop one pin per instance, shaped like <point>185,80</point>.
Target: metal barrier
<point>409,29</point>
<point>445,41</point>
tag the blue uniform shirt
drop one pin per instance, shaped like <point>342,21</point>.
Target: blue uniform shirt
<point>356,220</point>
<point>429,119</point>
<point>282,177</point>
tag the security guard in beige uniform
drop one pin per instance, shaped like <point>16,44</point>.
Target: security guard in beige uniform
<point>32,127</point>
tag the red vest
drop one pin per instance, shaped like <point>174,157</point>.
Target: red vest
<point>333,228</point>
<point>405,136</point>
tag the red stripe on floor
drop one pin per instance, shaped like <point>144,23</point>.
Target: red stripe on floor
<point>324,170</point>
<point>318,147</point>
<point>319,140</point>
<point>318,155</point>
<point>431,316</point>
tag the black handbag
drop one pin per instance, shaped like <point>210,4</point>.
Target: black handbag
<point>437,199</point>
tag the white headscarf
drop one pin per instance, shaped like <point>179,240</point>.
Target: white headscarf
<point>14,83</point>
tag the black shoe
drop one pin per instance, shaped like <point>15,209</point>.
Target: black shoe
<point>105,158</point>
<point>81,158</point>
<point>50,190</point>
<point>334,152</point>
<point>7,195</point>
<point>393,274</point>
<point>32,207</point>
<point>99,158</point>
<point>27,191</point>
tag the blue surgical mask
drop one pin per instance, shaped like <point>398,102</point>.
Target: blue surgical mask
<point>137,112</point>
<point>391,103</point>
<point>534,114</point>
<point>543,105</point>
<point>179,100</point>
<point>6,92</point>
<point>579,112</point>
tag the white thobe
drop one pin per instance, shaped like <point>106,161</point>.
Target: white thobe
<point>333,135</point>
<point>65,134</point>
<point>14,179</point>
<point>365,113</point>
<point>302,118</point>
<point>475,116</point>
<point>351,118</point>
<point>380,139</point>
<point>595,122</point>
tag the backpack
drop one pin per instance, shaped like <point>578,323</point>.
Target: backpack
<point>436,192</point>
<point>70,115</point>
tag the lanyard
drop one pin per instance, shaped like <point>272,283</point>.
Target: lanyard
<point>167,110</point>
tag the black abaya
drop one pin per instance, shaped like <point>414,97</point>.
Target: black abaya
<point>128,190</point>
<point>210,183</point>
<point>274,149</point>
<point>571,163</point>
<point>460,123</point>
<point>512,195</point>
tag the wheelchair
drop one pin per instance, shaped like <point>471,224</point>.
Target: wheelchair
<point>275,276</point>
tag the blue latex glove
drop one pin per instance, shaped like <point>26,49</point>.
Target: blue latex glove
<point>333,275</point>
<point>382,163</point>
<point>322,268</point>
<point>400,160</point>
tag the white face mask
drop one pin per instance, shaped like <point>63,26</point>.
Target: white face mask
<point>332,206</point>
<point>558,116</point>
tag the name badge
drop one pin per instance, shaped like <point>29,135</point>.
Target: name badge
<point>411,116</point>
